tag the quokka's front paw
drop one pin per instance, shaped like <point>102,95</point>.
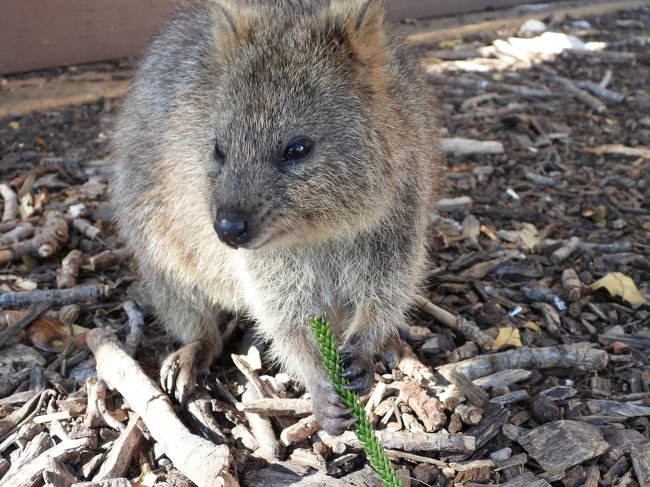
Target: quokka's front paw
<point>180,370</point>
<point>329,410</point>
<point>359,369</point>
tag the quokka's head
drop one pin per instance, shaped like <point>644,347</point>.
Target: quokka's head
<point>299,144</point>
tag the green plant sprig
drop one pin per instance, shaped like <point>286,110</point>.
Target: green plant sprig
<point>331,355</point>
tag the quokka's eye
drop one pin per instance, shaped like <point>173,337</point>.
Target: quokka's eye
<point>219,155</point>
<point>297,149</point>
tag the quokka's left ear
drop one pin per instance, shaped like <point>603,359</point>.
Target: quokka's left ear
<point>362,17</point>
<point>363,25</point>
<point>231,25</point>
<point>369,16</point>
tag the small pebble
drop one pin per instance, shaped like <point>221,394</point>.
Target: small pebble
<point>515,311</point>
<point>513,194</point>
<point>580,24</point>
<point>533,26</point>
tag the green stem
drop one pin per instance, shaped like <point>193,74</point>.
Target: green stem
<point>330,354</point>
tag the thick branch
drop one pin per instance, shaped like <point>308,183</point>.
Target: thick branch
<point>202,462</point>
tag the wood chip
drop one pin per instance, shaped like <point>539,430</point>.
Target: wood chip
<point>563,444</point>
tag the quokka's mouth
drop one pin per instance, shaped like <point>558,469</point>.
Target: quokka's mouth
<point>268,239</point>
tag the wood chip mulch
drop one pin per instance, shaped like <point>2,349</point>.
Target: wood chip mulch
<point>529,358</point>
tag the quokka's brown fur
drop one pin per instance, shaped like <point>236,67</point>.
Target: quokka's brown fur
<point>341,233</point>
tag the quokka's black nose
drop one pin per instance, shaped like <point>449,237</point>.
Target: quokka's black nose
<point>232,227</point>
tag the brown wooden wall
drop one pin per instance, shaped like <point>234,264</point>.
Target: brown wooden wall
<point>37,34</point>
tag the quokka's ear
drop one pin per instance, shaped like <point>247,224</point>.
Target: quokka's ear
<point>369,17</point>
<point>364,17</point>
<point>364,25</point>
<point>231,24</point>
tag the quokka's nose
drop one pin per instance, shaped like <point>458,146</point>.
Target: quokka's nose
<point>232,227</point>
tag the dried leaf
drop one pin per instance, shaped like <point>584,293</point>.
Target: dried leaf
<point>47,333</point>
<point>528,237</point>
<point>531,325</point>
<point>26,206</point>
<point>620,285</point>
<point>491,234</point>
<point>508,336</point>
<point>598,214</point>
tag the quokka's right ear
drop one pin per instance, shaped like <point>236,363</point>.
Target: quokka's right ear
<point>231,24</point>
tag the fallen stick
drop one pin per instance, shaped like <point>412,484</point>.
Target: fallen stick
<point>563,356</point>
<point>30,474</point>
<point>592,102</point>
<point>96,410</point>
<point>300,431</point>
<point>119,457</point>
<point>571,284</point>
<point>488,428</point>
<point>106,259</point>
<point>411,457</point>
<point>411,366</point>
<point>11,203</point>
<point>202,462</point>
<point>86,228</point>
<point>7,226</point>
<point>468,328</point>
<point>201,409</point>
<point>600,91</point>
<point>607,77</point>
<point>43,245</point>
<point>136,327</point>
<point>260,387</point>
<point>9,424</point>
<point>57,474</point>
<point>57,296</point>
<point>470,415</point>
<point>422,442</point>
<point>69,271</point>
<point>475,395</point>
<point>550,318</point>
<point>613,248</point>
<point>461,146</point>
<point>17,234</point>
<point>428,409</point>
<point>564,252</point>
<point>260,426</point>
<point>277,407</point>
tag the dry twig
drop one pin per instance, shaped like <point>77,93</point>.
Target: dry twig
<point>572,357</point>
<point>11,203</point>
<point>204,463</point>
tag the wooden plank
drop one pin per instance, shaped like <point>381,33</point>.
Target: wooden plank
<point>19,99</point>
<point>37,34</point>
<point>413,9</point>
